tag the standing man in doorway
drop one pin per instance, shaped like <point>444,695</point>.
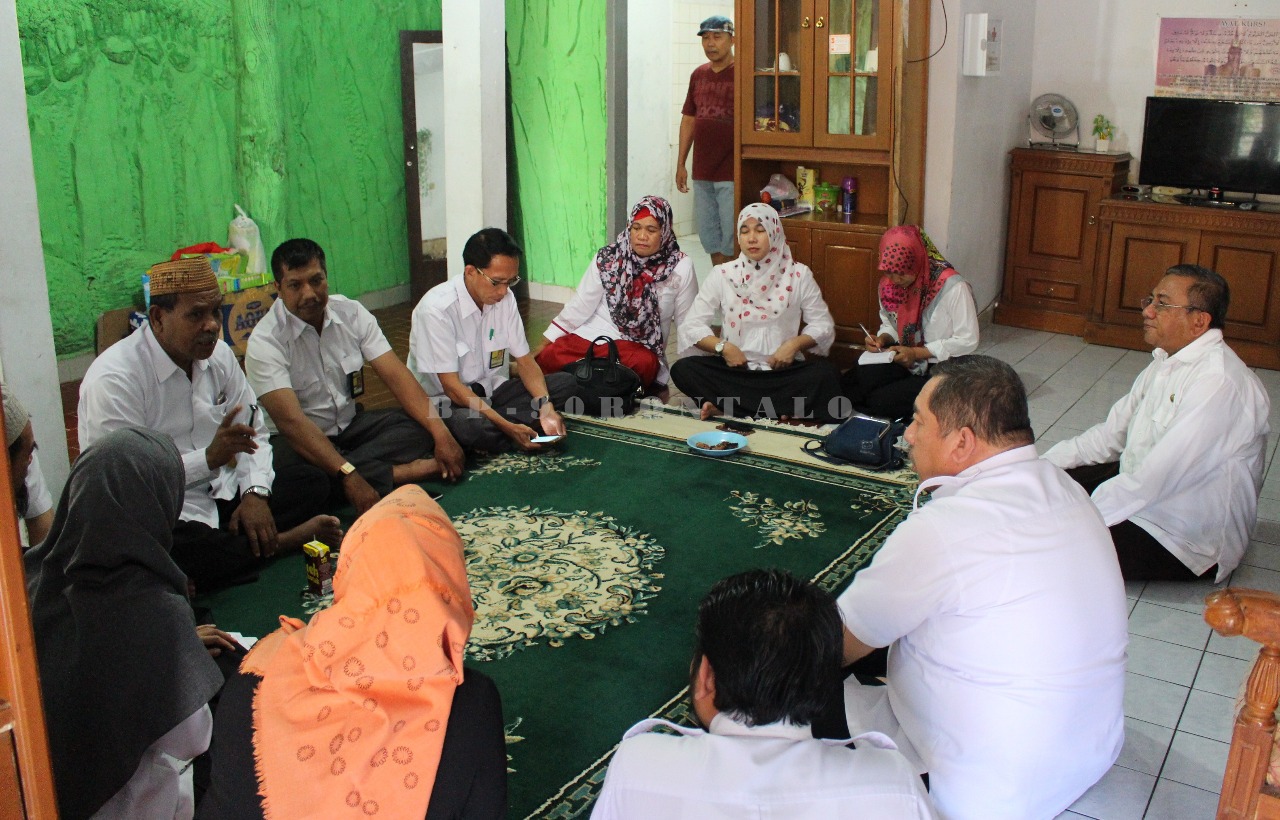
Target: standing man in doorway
<point>708,124</point>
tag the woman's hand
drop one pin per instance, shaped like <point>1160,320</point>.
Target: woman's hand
<point>908,356</point>
<point>733,355</point>
<point>785,355</point>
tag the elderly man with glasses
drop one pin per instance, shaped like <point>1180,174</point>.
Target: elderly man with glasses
<point>465,333</point>
<point>1177,466</point>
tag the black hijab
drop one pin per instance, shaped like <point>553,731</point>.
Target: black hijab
<point>120,662</point>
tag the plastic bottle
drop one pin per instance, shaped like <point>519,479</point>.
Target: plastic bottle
<point>849,200</point>
<point>244,236</point>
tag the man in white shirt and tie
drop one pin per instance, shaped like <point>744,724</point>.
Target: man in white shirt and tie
<point>176,376</point>
<point>1176,468</point>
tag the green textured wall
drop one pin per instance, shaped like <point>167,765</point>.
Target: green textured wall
<point>557,60</point>
<point>151,118</point>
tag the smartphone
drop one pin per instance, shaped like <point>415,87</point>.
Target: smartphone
<point>544,439</point>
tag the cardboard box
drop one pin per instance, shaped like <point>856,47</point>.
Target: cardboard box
<point>241,312</point>
<point>114,325</point>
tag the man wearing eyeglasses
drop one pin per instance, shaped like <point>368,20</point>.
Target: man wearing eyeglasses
<point>1177,466</point>
<point>306,361</point>
<point>465,334</point>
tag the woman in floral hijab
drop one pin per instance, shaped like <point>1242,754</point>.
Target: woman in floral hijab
<point>632,292</point>
<point>927,315</point>
<point>773,315</point>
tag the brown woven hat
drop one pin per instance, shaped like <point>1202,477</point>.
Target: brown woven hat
<point>194,275</point>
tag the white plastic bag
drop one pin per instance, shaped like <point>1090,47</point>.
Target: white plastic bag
<point>243,235</point>
<point>780,188</point>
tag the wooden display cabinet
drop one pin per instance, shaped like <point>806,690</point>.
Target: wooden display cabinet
<point>1054,200</point>
<point>852,103</point>
<point>1141,239</point>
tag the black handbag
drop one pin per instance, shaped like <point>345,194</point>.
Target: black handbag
<point>866,441</point>
<point>605,384</point>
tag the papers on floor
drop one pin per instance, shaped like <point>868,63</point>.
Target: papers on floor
<point>872,357</point>
<point>243,640</point>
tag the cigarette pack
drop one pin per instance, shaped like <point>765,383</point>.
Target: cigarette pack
<point>319,568</point>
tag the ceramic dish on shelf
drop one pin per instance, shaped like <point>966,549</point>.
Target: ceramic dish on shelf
<point>713,439</point>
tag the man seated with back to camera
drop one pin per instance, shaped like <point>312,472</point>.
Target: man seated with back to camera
<point>176,376</point>
<point>766,660</point>
<point>1003,609</point>
<point>1176,468</point>
<point>306,359</point>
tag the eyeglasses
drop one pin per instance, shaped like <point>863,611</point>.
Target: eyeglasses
<point>1148,301</point>
<point>507,283</point>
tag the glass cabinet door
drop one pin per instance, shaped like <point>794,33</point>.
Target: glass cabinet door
<point>779,47</point>
<point>853,40</point>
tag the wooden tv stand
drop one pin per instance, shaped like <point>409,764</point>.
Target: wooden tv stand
<point>1140,238</point>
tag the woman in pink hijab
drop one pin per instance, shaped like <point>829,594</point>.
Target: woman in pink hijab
<point>927,315</point>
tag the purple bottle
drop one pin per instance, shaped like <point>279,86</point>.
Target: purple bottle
<point>849,201</point>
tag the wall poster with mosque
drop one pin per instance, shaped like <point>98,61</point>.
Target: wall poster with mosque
<point>1228,58</point>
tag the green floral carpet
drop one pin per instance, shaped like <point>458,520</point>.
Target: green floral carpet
<point>587,564</point>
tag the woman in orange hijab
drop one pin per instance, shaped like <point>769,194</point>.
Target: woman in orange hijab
<point>365,710</point>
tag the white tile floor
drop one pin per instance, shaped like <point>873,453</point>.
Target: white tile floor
<point>1183,680</point>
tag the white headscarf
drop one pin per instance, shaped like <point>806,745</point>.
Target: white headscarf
<point>762,288</point>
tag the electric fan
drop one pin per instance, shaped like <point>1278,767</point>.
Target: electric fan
<point>1053,116</point>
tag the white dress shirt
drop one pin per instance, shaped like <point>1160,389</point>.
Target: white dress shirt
<point>286,352</point>
<point>1190,437</point>
<point>760,338</point>
<point>450,334</point>
<point>39,501</point>
<point>134,383</point>
<point>950,321</point>
<point>1003,602</point>
<point>777,770</point>
<point>587,313</point>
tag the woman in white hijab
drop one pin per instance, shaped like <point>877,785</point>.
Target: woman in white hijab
<point>773,313</point>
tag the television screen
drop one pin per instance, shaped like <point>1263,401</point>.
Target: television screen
<point>1193,143</point>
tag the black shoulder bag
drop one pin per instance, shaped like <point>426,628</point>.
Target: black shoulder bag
<point>865,441</point>
<point>605,384</point>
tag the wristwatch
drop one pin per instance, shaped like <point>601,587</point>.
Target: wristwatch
<point>347,469</point>
<point>720,347</point>
<point>540,402</point>
<point>262,492</point>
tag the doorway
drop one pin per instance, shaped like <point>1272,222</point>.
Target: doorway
<point>422,106</point>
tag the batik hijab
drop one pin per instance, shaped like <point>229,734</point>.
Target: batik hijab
<point>762,290</point>
<point>629,279</point>
<point>353,706</point>
<point>907,249</point>
<point>120,661</point>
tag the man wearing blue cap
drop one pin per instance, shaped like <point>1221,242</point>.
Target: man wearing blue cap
<point>707,122</point>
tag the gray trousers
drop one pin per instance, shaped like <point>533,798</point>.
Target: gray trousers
<point>513,402</point>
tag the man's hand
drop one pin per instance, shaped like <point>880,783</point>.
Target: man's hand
<point>215,640</point>
<point>520,435</point>
<point>230,439</point>
<point>253,516</point>
<point>552,422</point>
<point>358,491</point>
<point>450,456</point>
<point>733,355</point>
<point>784,356</point>
<point>682,179</point>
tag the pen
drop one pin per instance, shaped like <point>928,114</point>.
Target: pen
<point>253,413</point>
<point>868,333</point>
<point>491,334</point>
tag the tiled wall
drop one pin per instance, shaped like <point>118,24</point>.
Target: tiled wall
<point>686,55</point>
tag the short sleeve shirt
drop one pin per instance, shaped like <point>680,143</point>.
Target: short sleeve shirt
<point>451,334</point>
<point>286,352</point>
<point>710,103</point>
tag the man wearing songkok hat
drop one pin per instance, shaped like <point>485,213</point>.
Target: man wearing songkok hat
<point>34,503</point>
<point>177,377</point>
<point>306,360</point>
<point>706,126</point>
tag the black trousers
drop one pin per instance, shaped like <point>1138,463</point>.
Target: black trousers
<point>471,781</point>
<point>513,402</point>
<point>887,391</point>
<point>808,389</point>
<point>1142,558</point>
<point>375,441</point>
<point>215,557</point>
